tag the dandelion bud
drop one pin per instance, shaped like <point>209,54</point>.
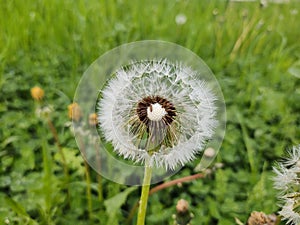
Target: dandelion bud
<point>37,93</point>
<point>183,215</point>
<point>93,119</point>
<point>74,112</point>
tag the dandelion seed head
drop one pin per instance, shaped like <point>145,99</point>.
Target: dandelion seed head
<point>155,107</point>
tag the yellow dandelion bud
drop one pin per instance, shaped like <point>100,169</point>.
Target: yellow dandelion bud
<point>37,93</point>
<point>93,119</point>
<point>74,112</point>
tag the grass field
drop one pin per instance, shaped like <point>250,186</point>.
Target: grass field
<point>253,50</point>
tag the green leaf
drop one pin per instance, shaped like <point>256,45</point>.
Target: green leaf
<point>113,205</point>
<point>16,207</point>
<point>73,159</point>
<point>20,210</point>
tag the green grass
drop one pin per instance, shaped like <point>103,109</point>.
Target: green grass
<point>251,50</point>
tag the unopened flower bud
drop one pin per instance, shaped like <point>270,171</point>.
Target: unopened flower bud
<point>93,119</point>
<point>37,93</point>
<point>74,112</point>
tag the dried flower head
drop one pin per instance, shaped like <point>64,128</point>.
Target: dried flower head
<point>37,93</point>
<point>287,182</point>
<point>156,112</point>
<point>259,218</point>
<point>74,112</point>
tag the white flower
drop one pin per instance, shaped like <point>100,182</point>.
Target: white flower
<point>157,112</point>
<point>287,182</point>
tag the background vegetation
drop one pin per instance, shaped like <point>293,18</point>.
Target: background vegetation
<point>253,50</point>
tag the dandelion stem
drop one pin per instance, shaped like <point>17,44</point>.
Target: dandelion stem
<point>88,188</point>
<point>163,186</point>
<point>99,178</point>
<point>87,179</point>
<point>144,195</point>
<point>64,161</point>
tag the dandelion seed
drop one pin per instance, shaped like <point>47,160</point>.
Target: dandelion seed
<point>215,12</point>
<point>294,12</point>
<point>287,182</point>
<point>180,19</point>
<point>154,111</point>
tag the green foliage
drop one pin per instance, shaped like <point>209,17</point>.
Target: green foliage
<point>113,205</point>
<point>254,52</point>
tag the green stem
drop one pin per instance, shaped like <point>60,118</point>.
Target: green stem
<point>99,178</point>
<point>87,179</point>
<point>144,195</point>
<point>47,179</point>
<point>100,190</point>
<point>88,188</point>
<point>64,161</point>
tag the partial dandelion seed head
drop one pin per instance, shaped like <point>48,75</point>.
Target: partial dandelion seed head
<point>286,181</point>
<point>155,111</point>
